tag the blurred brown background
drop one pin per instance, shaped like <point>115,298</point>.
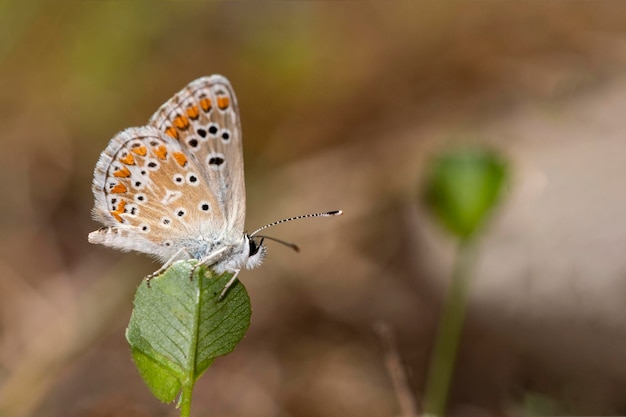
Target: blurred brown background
<point>343,104</point>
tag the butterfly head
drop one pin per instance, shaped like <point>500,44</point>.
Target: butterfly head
<point>256,251</point>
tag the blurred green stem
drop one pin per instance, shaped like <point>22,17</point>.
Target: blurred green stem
<point>185,400</point>
<point>449,333</point>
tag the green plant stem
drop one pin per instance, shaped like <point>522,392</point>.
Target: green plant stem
<point>448,335</point>
<point>190,380</point>
<point>185,399</point>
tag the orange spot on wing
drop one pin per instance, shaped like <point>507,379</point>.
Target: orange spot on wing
<point>120,210</point>
<point>160,151</point>
<point>205,103</point>
<point>170,131</point>
<point>119,189</point>
<point>128,159</point>
<point>122,173</point>
<point>192,112</point>
<point>117,216</point>
<point>180,158</point>
<point>181,122</point>
<point>223,102</point>
<point>140,150</point>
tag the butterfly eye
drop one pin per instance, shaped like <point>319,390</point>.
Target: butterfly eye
<point>201,133</point>
<point>144,227</point>
<point>204,206</point>
<point>180,212</point>
<point>254,248</point>
<point>140,198</point>
<point>166,221</point>
<point>225,135</point>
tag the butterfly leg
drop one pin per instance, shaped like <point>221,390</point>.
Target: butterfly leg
<point>208,260</point>
<point>165,266</point>
<point>228,285</point>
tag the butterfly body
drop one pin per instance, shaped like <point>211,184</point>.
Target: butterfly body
<point>174,189</point>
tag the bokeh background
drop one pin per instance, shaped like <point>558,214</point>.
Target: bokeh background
<point>343,105</point>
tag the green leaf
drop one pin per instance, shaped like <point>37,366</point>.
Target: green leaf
<point>178,327</point>
<point>463,186</point>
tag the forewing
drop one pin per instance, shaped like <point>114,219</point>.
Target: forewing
<point>204,118</point>
<point>151,194</point>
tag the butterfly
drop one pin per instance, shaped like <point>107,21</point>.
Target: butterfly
<point>174,189</point>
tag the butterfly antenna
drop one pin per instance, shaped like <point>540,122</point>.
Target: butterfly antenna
<point>304,216</point>
<point>288,244</point>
